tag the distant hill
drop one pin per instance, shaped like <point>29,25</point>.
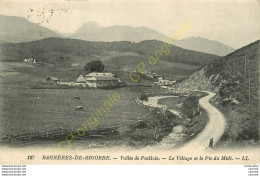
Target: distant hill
<point>1,41</point>
<point>205,45</point>
<point>92,31</point>
<point>123,55</point>
<point>88,27</point>
<point>18,51</point>
<point>17,29</point>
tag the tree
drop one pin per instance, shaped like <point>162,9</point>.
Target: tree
<point>94,66</point>
<point>143,97</point>
<point>190,106</point>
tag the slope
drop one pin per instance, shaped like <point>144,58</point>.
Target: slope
<point>17,29</point>
<point>205,45</point>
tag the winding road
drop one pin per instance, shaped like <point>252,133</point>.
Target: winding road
<point>214,128</point>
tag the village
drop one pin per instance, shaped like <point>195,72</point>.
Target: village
<point>103,80</point>
<point>91,80</point>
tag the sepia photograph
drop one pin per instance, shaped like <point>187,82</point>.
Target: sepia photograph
<point>129,82</point>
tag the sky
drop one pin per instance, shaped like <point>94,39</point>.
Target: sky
<point>232,22</point>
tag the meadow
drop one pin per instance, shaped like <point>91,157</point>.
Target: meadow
<point>31,110</point>
<point>172,103</point>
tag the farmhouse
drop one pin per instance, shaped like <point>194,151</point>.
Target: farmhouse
<point>163,82</point>
<point>159,77</point>
<point>75,65</point>
<point>53,80</point>
<point>30,60</point>
<point>98,80</point>
<point>101,81</point>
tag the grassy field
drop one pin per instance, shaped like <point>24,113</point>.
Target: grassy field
<point>31,110</point>
<point>172,103</point>
<point>26,110</point>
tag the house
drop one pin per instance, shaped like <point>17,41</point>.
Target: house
<point>53,80</point>
<point>99,74</point>
<point>81,78</point>
<point>159,77</point>
<point>102,81</point>
<point>75,65</point>
<point>163,82</point>
<point>65,83</point>
<point>30,60</point>
<point>98,80</point>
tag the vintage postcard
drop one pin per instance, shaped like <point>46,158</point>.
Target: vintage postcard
<point>129,82</point>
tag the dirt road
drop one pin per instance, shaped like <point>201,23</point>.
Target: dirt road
<point>214,128</point>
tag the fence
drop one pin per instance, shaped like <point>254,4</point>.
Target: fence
<point>23,138</point>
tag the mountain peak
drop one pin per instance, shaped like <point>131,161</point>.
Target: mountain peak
<point>94,32</point>
<point>18,29</point>
<point>91,25</point>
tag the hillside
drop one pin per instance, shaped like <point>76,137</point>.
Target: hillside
<point>17,29</point>
<point>235,79</point>
<point>237,66</point>
<point>92,31</point>
<point>19,51</point>
<point>205,45</point>
<point>116,55</point>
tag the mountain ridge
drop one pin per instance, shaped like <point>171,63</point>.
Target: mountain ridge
<point>92,31</point>
<point>205,45</point>
<point>26,31</point>
<point>18,29</point>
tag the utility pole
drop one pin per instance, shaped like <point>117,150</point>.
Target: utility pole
<point>245,66</point>
<point>234,67</point>
<point>249,89</point>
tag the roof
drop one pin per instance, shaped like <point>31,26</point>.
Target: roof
<point>53,78</point>
<point>99,74</point>
<point>102,78</point>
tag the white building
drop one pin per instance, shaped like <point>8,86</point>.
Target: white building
<point>97,80</point>
<point>75,65</point>
<point>162,82</point>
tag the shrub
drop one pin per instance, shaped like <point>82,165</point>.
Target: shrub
<point>190,106</point>
<point>143,97</point>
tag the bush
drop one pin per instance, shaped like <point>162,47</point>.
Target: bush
<point>143,97</point>
<point>190,106</point>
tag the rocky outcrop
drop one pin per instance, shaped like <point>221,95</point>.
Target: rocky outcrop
<point>200,81</point>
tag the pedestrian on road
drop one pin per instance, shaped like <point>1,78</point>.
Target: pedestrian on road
<point>211,142</point>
